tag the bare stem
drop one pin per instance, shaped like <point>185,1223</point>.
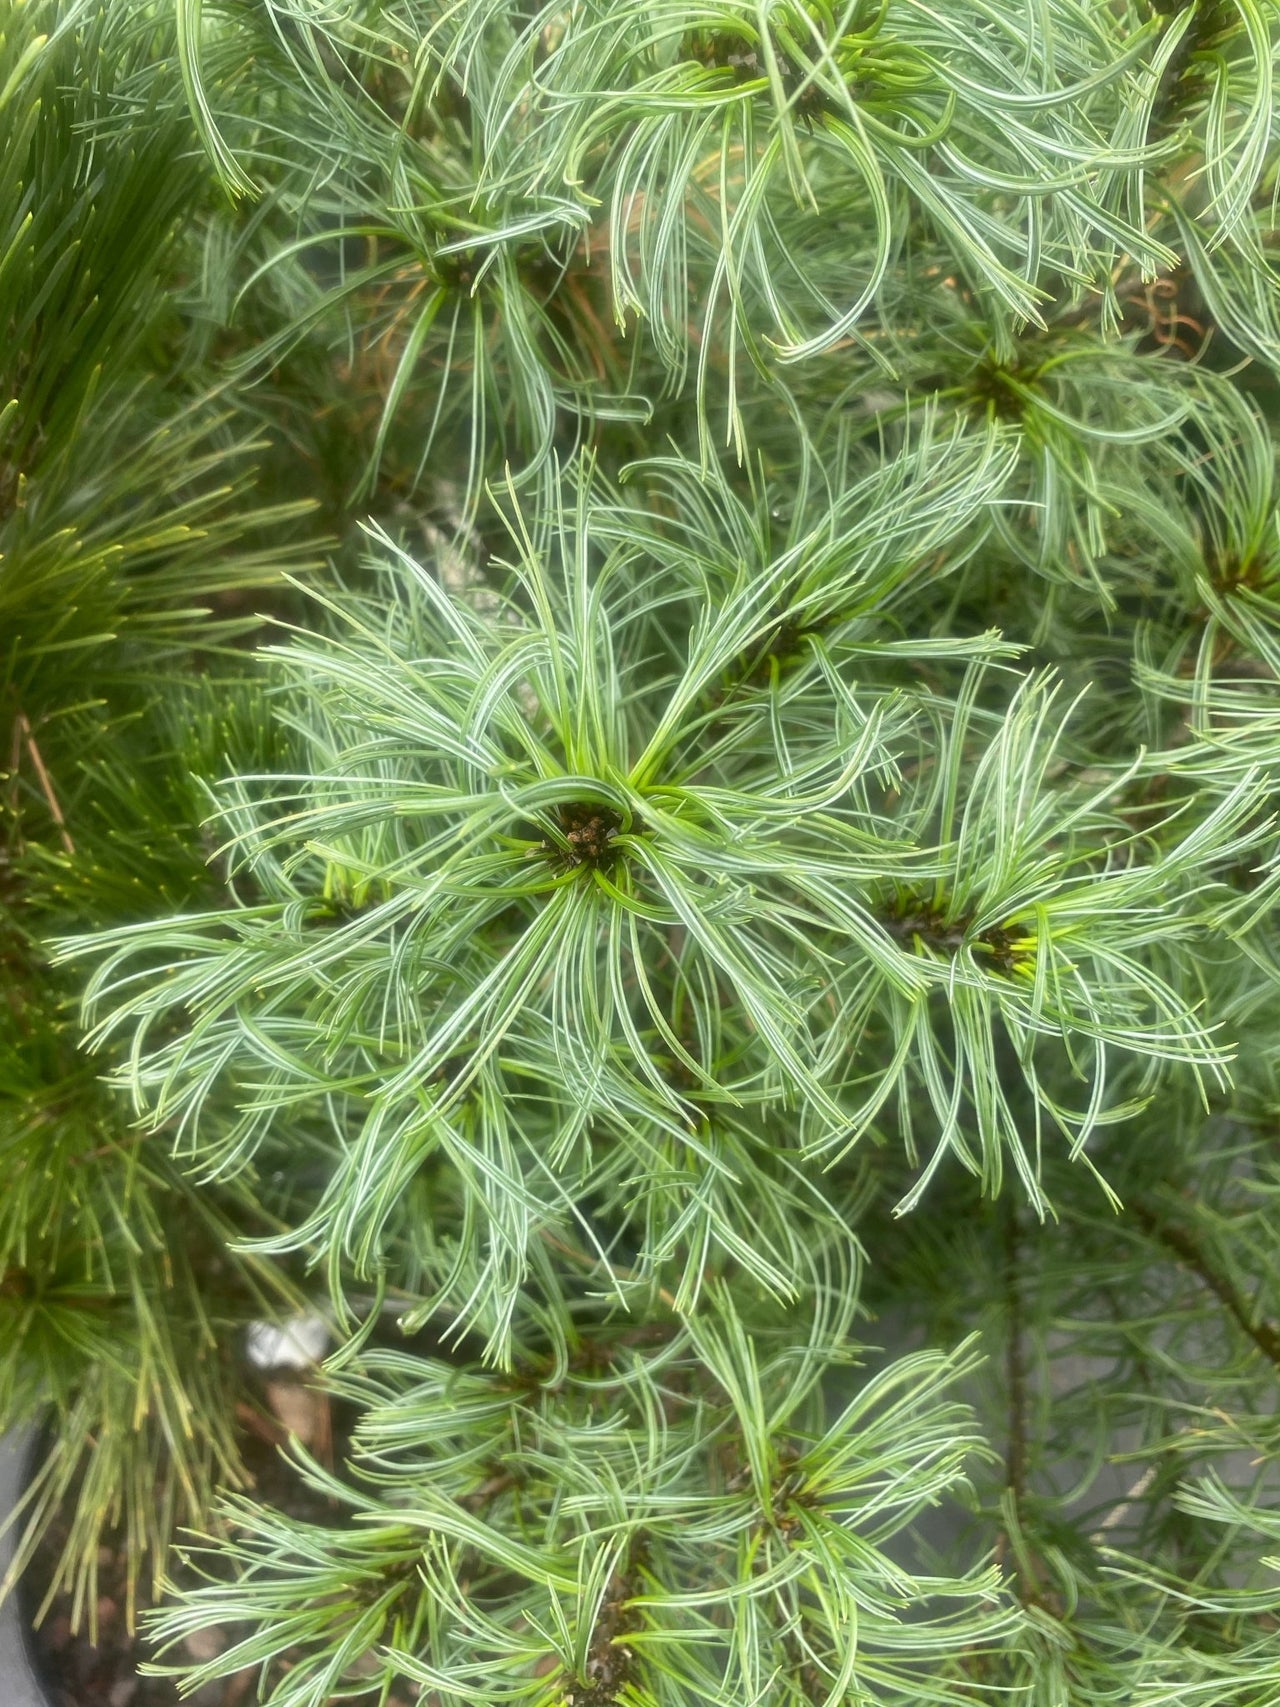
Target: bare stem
<point>23,728</point>
<point>1264,1334</point>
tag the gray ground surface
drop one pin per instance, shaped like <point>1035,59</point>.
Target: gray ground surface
<point>17,1687</point>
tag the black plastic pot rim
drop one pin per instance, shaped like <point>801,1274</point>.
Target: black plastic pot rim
<point>20,1685</point>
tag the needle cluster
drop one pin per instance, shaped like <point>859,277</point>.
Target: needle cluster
<point>642,664</point>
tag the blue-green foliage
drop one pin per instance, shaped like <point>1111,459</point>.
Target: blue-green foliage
<point>757,844</point>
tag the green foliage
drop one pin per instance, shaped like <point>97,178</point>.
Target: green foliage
<point>130,535</point>
<point>758,840</point>
<point>125,491</point>
<point>577,1531</point>
<point>118,1300</point>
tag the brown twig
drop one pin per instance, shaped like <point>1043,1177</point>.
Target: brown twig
<point>23,731</point>
<point>1030,1584</point>
<point>1264,1334</point>
<point>1015,1365</point>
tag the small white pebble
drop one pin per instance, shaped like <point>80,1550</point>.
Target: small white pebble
<point>296,1344</point>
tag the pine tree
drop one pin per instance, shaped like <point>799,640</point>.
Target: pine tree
<point>723,916</point>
